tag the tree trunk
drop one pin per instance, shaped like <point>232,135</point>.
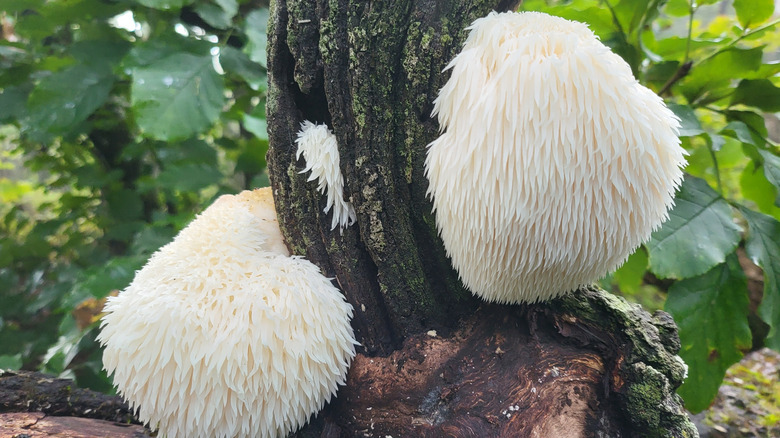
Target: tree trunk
<point>434,360</point>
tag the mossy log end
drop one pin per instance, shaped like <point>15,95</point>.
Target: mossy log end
<point>588,364</point>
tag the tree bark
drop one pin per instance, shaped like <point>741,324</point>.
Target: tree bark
<point>434,360</point>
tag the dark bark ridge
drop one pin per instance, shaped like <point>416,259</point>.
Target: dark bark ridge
<point>26,391</point>
<point>370,70</point>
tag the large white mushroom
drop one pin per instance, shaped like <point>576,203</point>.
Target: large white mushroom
<point>554,163</point>
<point>223,334</point>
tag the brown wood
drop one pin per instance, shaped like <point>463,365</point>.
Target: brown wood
<point>38,405</point>
<point>40,425</point>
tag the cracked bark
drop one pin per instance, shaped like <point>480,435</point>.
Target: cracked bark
<point>588,364</point>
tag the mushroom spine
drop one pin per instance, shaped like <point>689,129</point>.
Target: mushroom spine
<point>224,334</point>
<point>320,150</point>
<point>553,164</point>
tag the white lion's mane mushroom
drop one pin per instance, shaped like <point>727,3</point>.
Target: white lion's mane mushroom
<point>223,334</point>
<point>320,150</point>
<point>554,163</point>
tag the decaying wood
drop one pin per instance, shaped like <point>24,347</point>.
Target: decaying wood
<point>588,364</point>
<point>40,425</point>
<point>38,405</point>
<point>26,391</point>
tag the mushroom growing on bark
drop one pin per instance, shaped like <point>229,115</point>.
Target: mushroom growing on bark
<point>554,163</point>
<point>224,334</point>
<point>320,150</point>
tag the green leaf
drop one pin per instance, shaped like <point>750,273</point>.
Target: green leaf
<point>218,15</point>
<point>629,276</point>
<point>763,247</point>
<point>711,313</point>
<point>13,103</point>
<point>256,31</point>
<point>689,123</point>
<point>189,177</point>
<point>753,12</point>
<point>760,93</point>
<point>756,188</point>
<point>771,170</point>
<point>710,80</point>
<point>13,6</point>
<point>679,249</point>
<point>100,52</point>
<point>67,98</point>
<point>741,132</point>
<point>125,205</point>
<point>177,96</point>
<point>257,126</point>
<point>237,62</point>
<point>8,362</point>
<point>165,4</point>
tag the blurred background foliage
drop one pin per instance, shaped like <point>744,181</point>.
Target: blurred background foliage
<point>121,119</point>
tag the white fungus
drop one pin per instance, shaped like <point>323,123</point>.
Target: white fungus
<point>320,150</point>
<point>554,163</point>
<point>223,334</point>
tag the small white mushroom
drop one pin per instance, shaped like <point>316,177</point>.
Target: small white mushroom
<point>554,163</point>
<point>320,150</point>
<point>223,334</point>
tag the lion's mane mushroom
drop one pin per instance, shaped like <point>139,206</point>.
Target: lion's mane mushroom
<point>554,163</point>
<point>320,150</point>
<point>223,334</point>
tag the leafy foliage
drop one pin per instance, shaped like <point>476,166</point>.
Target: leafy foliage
<point>120,121</point>
<point>715,63</point>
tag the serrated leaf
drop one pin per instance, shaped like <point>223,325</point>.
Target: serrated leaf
<point>711,313</point>
<point>753,12</point>
<point>710,80</point>
<point>763,247</point>
<point>689,123</point>
<point>760,93</point>
<point>771,168</point>
<point>189,177</point>
<point>66,98</point>
<point>678,249</point>
<point>177,96</point>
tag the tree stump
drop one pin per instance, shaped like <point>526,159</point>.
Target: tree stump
<point>435,361</point>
